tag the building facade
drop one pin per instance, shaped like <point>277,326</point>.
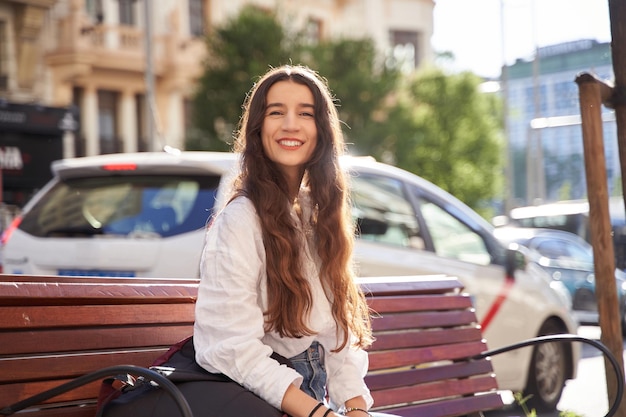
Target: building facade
<point>33,131</point>
<point>543,122</point>
<point>120,74</point>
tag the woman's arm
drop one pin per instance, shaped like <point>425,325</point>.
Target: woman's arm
<point>357,407</point>
<point>346,372</point>
<point>298,404</point>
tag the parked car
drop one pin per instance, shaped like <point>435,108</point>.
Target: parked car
<point>572,216</point>
<point>569,259</point>
<point>144,215</point>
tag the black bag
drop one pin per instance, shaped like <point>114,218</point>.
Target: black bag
<point>208,394</point>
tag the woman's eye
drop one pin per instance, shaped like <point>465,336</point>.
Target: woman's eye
<point>307,114</point>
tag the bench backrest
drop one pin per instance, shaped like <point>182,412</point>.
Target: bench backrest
<point>54,329</point>
<point>420,364</point>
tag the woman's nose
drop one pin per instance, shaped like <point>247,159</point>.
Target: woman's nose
<point>290,121</point>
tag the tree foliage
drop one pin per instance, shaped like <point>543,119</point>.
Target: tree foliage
<point>455,139</point>
<point>238,52</point>
<point>436,125</point>
<point>361,83</point>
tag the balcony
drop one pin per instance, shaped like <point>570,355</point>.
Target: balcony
<point>82,48</point>
<point>107,47</point>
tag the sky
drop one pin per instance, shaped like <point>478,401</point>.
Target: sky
<point>472,30</point>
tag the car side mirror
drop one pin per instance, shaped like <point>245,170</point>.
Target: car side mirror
<point>369,226</point>
<point>515,260</point>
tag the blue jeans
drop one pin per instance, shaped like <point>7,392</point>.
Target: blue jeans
<point>310,364</point>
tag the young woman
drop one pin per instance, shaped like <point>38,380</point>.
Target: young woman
<point>276,272</point>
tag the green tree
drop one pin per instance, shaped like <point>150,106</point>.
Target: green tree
<point>238,52</point>
<point>361,82</point>
<point>437,125</point>
<point>455,140</point>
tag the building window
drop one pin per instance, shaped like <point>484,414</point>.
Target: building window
<point>80,147</point>
<point>196,17</point>
<point>142,127</point>
<point>529,98</point>
<point>94,9</point>
<point>107,121</point>
<point>127,12</point>
<point>313,31</point>
<point>566,97</point>
<point>405,49</point>
<point>4,57</point>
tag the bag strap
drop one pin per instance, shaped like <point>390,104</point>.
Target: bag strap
<point>171,351</point>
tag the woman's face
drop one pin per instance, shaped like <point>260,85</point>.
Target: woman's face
<point>289,133</point>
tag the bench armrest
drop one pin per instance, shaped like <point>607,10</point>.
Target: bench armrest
<point>619,373</point>
<point>162,381</point>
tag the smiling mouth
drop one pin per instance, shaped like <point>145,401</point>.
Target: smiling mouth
<point>290,143</point>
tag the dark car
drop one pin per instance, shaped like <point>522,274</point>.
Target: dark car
<point>569,259</point>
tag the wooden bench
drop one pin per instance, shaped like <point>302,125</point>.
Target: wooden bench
<point>54,329</point>
<point>420,363</point>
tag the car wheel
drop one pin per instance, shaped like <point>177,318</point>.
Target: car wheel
<point>549,369</point>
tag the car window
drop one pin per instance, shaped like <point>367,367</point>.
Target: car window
<point>584,253</point>
<point>553,249</point>
<point>451,237</point>
<point>383,213</point>
<point>123,205</point>
<point>566,251</point>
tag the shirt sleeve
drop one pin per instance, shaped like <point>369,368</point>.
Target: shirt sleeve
<point>346,372</point>
<point>229,322</point>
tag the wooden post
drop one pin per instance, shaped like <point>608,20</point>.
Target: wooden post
<point>617,17</point>
<point>593,93</point>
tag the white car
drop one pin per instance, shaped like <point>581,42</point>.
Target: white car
<point>144,215</point>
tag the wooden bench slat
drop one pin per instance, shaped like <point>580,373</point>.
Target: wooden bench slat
<point>381,286</point>
<point>93,315</point>
<point>423,320</point>
<point>40,368</point>
<point>10,392</point>
<point>451,408</point>
<point>396,304</point>
<point>441,389</point>
<point>427,374</point>
<point>56,279</point>
<point>86,409</point>
<point>408,357</point>
<point>417,338</point>
<point>80,339</point>
<point>74,293</point>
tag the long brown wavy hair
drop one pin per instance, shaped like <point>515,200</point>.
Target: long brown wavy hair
<point>289,294</point>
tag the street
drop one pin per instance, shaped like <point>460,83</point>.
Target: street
<point>586,395</point>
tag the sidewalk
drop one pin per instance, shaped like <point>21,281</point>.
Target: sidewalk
<point>586,395</point>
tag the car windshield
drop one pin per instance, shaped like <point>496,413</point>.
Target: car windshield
<point>123,206</point>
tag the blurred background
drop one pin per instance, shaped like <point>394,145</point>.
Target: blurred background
<point>476,96</point>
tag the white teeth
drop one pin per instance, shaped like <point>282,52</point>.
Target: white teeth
<point>290,143</point>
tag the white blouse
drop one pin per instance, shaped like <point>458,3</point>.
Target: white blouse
<point>229,335</point>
